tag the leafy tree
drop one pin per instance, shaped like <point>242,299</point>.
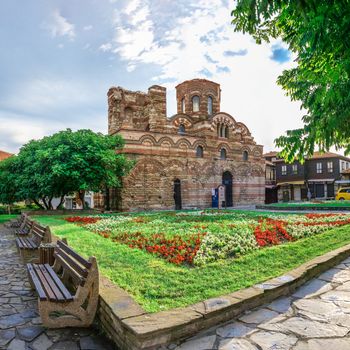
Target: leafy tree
<point>318,32</point>
<point>8,188</point>
<point>68,162</point>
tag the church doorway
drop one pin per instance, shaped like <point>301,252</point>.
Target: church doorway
<point>227,181</point>
<point>177,194</point>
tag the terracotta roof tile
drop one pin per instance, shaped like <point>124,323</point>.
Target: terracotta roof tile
<point>270,154</point>
<point>4,155</point>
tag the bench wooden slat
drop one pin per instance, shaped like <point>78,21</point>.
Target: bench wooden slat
<point>30,243</point>
<point>73,264</point>
<point>74,274</point>
<point>61,286</point>
<point>47,288</point>
<point>54,287</point>
<point>75,255</point>
<point>37,284</point>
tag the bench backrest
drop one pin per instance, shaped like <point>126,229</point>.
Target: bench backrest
<point>22,220</point>
<point>73,267</point>
<point>28,224</point>
<point>40,233</point>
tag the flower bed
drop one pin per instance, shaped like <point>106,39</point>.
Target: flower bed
<point>198,238</point>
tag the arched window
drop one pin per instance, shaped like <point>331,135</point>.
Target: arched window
<point>199,152</point>
<point>223,154</point>
<point>226,132</point>
<point>245,155</point>
<point>182,129</point>
<point>210,105</point>
<point>222,130</point>
<point>195,103</point>
<point>183,105</point>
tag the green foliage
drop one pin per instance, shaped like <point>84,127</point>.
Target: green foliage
<point>8,181</point>
<point>64,163</point>
<point>317,32</point>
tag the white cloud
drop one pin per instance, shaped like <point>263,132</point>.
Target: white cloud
<point>201,42</point>
<point>59,26</point>
<point>105,47</point>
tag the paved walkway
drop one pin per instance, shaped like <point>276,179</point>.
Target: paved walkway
<point>20,324</point>
<point>315,317</point>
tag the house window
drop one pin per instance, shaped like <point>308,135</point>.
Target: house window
<point>199,152</point>
<point>195,103</point>
<point>284,169</point>
<point>330,167</point>
<point>319,168</point>
<point>182,129</point>
<point>223,154</point>
<point>343,165</point>
<point>183,105</point>
<point>295,169</point>
<point>245,155</point>
<point>210,105</point>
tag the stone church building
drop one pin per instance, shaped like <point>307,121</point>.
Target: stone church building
<point>181,159</point>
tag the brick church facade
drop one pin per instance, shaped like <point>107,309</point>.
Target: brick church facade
<point>179,160</point>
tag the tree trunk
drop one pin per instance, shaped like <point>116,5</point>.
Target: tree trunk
<point>61,201</point>
<point>81,194</point>
<point>38,204</point>
<point>50,203</point>
<point>9,209</point>
<point>45,203</point>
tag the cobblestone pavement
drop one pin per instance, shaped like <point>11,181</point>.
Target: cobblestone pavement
<point>315,317</point>
<point>20,324</point>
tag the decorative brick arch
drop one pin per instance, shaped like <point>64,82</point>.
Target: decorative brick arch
<point>242,129</point>
<point>165,139</point>
<point>147,139</point>
<point>223,118</point>
<point>184,142</point>
<point>184,119</point>
<point>224,145</point>
<point>199,143</point>
<point>244,170</point>
<point>257,152</point>
<point>257,170</point>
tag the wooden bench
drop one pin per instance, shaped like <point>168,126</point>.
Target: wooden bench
<point>25,228</point>
<point>67,291</point>
<point>17,223</point>
<point>29,246</point>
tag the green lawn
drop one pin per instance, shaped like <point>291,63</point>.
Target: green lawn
<point>5,217</point>
<point>158,285</point>
<point>331,203</point>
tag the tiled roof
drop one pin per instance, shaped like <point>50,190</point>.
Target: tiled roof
<point>316,155</point>
<point>4,155</point>
<point>270,154</point>
<point>319,155</point>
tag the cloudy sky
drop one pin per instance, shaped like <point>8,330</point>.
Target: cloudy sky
<point>58,59</point>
